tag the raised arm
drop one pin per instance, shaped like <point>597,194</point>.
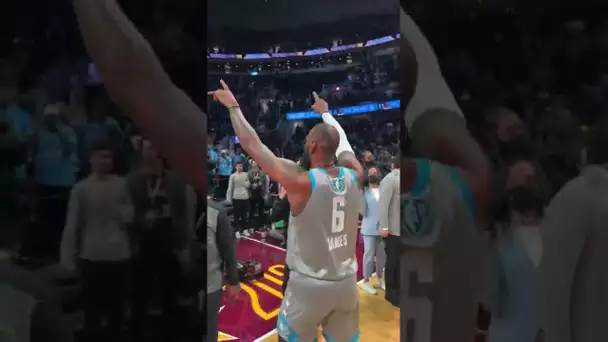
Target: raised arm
<point>344,152</point>
<point>137,83</point>
<point>285,172</point>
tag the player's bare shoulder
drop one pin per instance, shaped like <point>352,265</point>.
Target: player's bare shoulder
<point>349,160</point>
<point>301,188</point>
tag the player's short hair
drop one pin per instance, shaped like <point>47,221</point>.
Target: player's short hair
<point>304,161</point>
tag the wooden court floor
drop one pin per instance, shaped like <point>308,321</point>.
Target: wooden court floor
<point>378,320</point>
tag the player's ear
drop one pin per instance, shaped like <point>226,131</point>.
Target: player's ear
<point>313,146</point>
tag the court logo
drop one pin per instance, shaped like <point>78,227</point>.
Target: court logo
<point>338,186</point>
<point>419,224</point>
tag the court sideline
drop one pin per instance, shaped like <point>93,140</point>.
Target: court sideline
<point>253,317</point>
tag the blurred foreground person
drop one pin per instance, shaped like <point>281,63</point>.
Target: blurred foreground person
<point>164,213</point>
<point>53,150</point>
<point>96,244</point>
<point>573,278</point>
<point>510,292</point>
<point>445,200</point>
<point>136,82</point>
<point>31,308</point>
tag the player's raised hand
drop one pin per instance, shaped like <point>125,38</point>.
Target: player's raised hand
<point>224,95</point>
<point>320,106</point>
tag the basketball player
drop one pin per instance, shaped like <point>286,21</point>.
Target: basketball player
<point>325,203</point>
<point>573,277</point>
<point>137,83</point>
<point>444,199</point>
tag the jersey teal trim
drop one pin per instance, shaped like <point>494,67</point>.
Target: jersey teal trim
<point>293,336</point>
<point>467,194</point>
<point>313,182</point>
<point>352,173</point>
<point>423,176</point>
<point>341,173</point>
<point>354,339</point>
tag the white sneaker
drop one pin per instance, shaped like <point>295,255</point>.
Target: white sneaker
<point>246,233</point>
<point>382,285</point>
<point>238,235</point>
<point>251,231</point>
<point>367,287</point>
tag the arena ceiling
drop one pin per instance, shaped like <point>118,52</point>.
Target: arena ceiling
<point>271,15</point>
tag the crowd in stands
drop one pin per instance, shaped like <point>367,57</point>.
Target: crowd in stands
<point>89,210</point>
<point>376,132</point>
<point>266,99</point>
<point>532,85</point>
<point>547,70</point>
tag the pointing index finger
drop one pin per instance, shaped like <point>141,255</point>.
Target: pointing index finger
<point>224,85</point>
<point>315,95</point>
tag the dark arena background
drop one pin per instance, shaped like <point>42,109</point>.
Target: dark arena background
<point>273,55</point>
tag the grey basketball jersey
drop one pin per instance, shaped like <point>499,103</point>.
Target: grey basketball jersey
<point>322,239</point>
<point>441,259</point>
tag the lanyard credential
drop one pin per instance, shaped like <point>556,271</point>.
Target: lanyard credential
<point>153,190</point>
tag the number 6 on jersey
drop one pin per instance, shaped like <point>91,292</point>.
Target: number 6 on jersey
<point>337,224</point>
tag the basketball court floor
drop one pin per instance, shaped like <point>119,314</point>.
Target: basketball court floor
<point>253,317</point>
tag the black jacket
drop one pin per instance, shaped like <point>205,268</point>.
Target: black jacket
<point>225,244</point>
<point>280,211</point>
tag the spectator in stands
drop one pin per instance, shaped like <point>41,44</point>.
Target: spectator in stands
<point>212,161</point>
<point>14,155</point>
<point>224,171</point>
<point>260,183</point>
<point>239,156</point>
<point>238,195</point>
<point>20,120</point>
<point>164,213</point>
<point>368,158</point>
<point>511,269</point>
<point>374,253</point>
<point>100,126</point>
<point>96,242</point>
<point>53,149</point>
